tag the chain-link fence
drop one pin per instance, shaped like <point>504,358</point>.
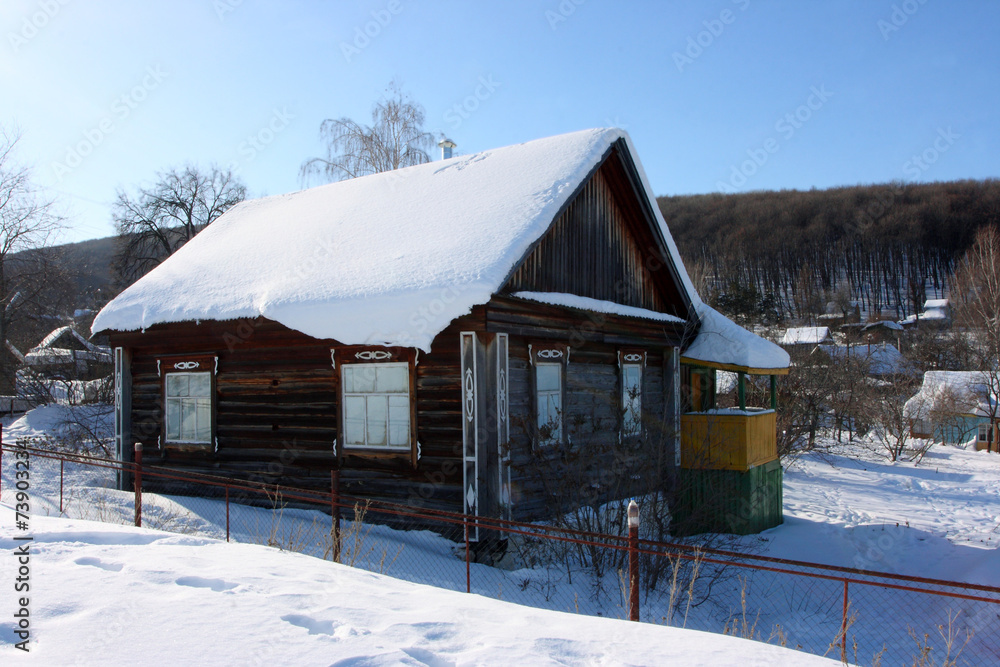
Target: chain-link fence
<point>860,616</point>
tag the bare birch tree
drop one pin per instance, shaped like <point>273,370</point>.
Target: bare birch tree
<point>156,221</point>
<point>976,307</point>
<point>395,139</point>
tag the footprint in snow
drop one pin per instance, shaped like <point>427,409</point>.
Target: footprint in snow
<point>314,626</point>
<point>217,585</point>
<point>97,562</point>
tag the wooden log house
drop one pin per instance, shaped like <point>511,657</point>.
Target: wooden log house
<point>432,333</point>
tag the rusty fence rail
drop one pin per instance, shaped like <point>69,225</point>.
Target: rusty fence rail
<point>859,616</point>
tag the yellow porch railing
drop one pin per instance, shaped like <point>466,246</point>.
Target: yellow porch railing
<point>727,441</point>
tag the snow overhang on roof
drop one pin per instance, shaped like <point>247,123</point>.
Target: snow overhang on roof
<point>596,306</point>
<point>723,344</point>
<point>387,259</point>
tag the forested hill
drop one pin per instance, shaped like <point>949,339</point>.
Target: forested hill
<point>883,246</point>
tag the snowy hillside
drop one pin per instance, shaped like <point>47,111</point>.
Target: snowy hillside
<point>105,594</point>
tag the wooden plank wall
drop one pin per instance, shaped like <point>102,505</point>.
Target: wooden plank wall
<point>601,247</point>
<point>277,412</point>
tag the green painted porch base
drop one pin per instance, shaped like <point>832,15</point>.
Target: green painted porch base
<point>728,501</point>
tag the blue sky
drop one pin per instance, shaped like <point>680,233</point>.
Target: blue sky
<point>721,95</point>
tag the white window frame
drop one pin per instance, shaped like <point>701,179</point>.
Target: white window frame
<point>344,395</point>
<point>985,432</point>
<point>631,405</point>
<point>178,401</point>
<point>556,434</point>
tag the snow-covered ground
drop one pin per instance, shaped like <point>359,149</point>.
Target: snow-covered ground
<point>847,506</point>
<point>107,594</point>
<point>939,518</point>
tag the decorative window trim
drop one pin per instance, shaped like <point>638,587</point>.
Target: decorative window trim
<point>189,365</point>
<point>343,357</point>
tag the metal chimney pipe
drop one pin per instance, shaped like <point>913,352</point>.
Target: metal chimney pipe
<point>446,145</point>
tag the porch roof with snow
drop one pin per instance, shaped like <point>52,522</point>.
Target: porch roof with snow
<point>347,261</point>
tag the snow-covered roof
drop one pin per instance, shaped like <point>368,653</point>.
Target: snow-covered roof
<point>957,392</point>
<point>888,324</point>
<point>882,358</point>
<point>595,305</point>
<point>935,303</point>
<point>722,341</point>
<point>48,342</point>
<point>364,261</point>
<point>806,336</point>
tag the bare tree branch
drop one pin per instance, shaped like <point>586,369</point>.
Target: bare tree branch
<point>31,284</point>
<point>395,139</point>
<point>155,222</point>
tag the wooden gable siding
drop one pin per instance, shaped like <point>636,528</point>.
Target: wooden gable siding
<point>601,247</point>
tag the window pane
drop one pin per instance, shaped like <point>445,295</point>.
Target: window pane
<point>549,421</point>
<point>631,398</point>
<point>392,379</point>
<point>354,420</point>
<point>200,384</point>
<point>376,422</point>
<point>348,379</point>
<point>364,378</point>
<point>548,377</point>
<point>173,419</point>
<point>189,419</point>
<point>177,384</point>
<point>204,433</point>
<point>631,379</point>
<point>399,421</point>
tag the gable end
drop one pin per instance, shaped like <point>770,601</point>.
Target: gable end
<point>605,245</point>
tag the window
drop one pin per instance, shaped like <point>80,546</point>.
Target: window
<point>921,428</point>
<point>986,433</point>
<point>631,399</point>
<point>188,399</point>
<point>377,405</point>
<point>548,388</point>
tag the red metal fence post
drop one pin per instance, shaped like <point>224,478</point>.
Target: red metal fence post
<point>137,484</point>
<point>227,512</point>
<point>633,561</point>
<point>335,514</point>
<point>843,628</point>
<point>61,462</point>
